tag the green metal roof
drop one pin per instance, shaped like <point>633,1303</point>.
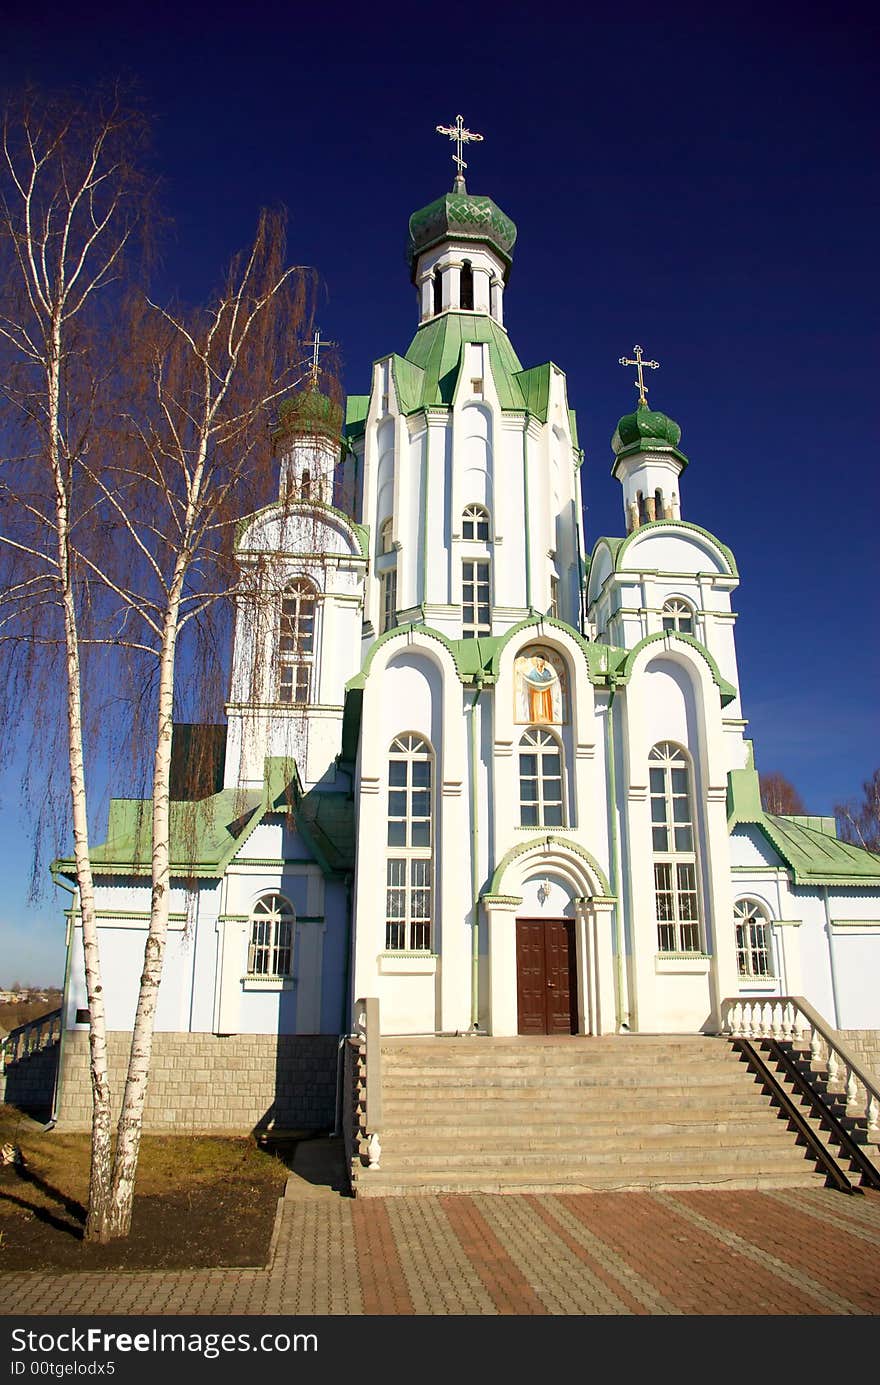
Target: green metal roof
<point>646,430</point>
<point>206,835</point>
<point>357,406</point>
<point>459,215</point>
<point>813,854</point>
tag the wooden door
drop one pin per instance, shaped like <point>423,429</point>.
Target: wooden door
<point>545,976</point>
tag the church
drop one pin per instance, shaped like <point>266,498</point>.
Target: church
<point>478,765</point>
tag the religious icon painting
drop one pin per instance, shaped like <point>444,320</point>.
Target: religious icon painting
<point>540,688</point>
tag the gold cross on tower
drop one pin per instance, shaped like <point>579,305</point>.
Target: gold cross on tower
<point>461,137</point>
<point>640,382</point>
<point>317,346</point>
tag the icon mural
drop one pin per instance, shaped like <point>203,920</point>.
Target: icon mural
<point>539,688</point>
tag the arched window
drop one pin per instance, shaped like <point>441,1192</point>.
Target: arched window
<point>475,523</point>
<point>540,780</point>
<point>305,486</point>
<point>386,544</point>
<point>296,644</point>
<point>437,288</point>
<point>466,292</point>
<point>754,950</point>
<point>659,507</point>
<point>409,882</point>
<point>386,571</point>
<point>270,949</point>
<point>678,615</point>
<point>676,889</point>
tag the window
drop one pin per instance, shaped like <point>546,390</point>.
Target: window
<point>437,288</point>
<point>475,604</point>
<point>675,861</point>
<point>466,293</point>
<point>305,486</point>
<point>554,597</point>
<point>475,523</point>
<point>270,952</point>
<point>388,613</point>
<point>409,870</point>
<point>477,386</point>
<point>386,543</point>
<point>678,615</point>
<point>754,954</point>
<point>296,645</point>
<point>540,780</point>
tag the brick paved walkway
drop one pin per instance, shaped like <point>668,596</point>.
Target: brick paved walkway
<point>805,1251</point>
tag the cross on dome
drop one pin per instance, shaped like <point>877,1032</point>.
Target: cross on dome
<point>639,363</point>
<point>317,346</point>
<point>462,137</point>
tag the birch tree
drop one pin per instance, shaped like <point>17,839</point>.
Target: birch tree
<point>73,203</point>
<point>197,460</point>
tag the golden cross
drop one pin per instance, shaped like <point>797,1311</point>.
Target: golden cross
<point>317,346</point>
<point>461,137</point>
<point>638,363</point>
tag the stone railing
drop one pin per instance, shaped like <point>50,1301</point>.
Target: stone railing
<point>30,1038</point>
<point>368,1082</point>
<point>791,1019</point>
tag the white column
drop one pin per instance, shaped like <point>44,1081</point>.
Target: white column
<point>481,289</point>
<point>496,291</point>
<point>426,297</point>
<point>451,285</point>
<point>501,922</point>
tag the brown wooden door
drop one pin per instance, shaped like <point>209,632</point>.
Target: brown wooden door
<point>545,976</point>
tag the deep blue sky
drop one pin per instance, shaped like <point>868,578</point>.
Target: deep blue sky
<point>704,183</point>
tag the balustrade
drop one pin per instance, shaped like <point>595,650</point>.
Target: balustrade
<point>791,1019</point>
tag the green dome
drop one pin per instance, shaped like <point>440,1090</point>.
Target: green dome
<point>309,413</point>
<point>460,216</point>
<point>646,430</point>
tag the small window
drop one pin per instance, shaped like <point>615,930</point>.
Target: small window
<point>754,954</point>
<point>386,543</point>
<point>437,288</point>
<point>270,951</point>
<point>475,523</point>
<point>554,597</point>
<point>305,486</point>
<point>388,583</point>
<point>476,610</point>
<point>477,386</point>
<point>678,615</point>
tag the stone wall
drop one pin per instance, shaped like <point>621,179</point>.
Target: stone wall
<point>864,1045</point>
<point>29,1082</point>
<point>203,1082</point>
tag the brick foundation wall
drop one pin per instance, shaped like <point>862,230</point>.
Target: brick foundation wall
<point>202,1082</point>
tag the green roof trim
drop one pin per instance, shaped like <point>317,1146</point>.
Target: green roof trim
<point>409,384</point>
<point>360,531</point>
<point>535,386</point>
<point>479,659</point>
<point>813,854</point>
<point>545,840</point>
<point>725,552</point>
<point>726,690</point>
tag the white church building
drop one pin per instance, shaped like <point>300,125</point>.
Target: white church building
<point>476,765</point>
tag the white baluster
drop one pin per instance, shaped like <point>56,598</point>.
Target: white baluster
<point>816,1050</point>
<point>852,1090</point>
<point>797,1024</point>
<point>833,1068</point>
<point>374,1151</point>
<point>776,1011</point>
<point>787,1020</point>
<point>873,1117</point>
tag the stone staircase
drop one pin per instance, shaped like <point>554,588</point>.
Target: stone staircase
<point>576,1114</point>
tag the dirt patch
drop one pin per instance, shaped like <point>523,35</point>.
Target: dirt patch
<point>201,1201</point>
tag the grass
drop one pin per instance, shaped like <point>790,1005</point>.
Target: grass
<point>200,1201</point>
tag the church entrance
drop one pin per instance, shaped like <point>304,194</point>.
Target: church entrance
<point>546,976</point>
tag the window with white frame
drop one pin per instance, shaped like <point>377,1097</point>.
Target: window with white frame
<point>476,618</point>
<point>388,595</point>
<point>386,543</point>
<point>554,597</point>
<point>541,802</point>
<point>270,949</point>
<point>296,642</point>
<point>676,887</point>
<point>678,615</point>
<point>475,523</point>
<point>409,880</point>
<point>754,950</point>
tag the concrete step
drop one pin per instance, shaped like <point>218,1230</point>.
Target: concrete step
<point>493,1107</point>
<point>781,1156</point>
<point>548,1139</point>
<point>381,1183</point>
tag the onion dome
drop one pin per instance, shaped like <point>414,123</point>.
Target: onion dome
<point>460,216</point>
<point>309,414</point>
<point>646,430</point>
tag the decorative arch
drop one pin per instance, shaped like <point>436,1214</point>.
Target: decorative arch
<point>683,645</point>
<point>568,858</point>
